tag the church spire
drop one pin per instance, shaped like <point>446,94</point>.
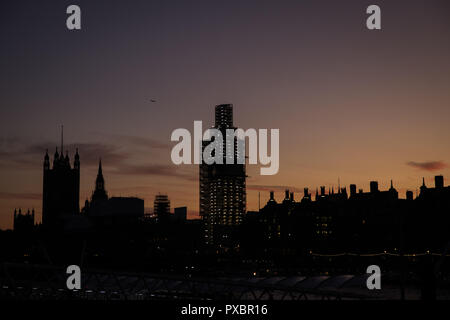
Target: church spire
<point>100,192</point>
<point>100,168</point>
<point>76,162</point>
<point>100,182</point>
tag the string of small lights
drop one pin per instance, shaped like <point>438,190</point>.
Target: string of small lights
<point>385,253</point>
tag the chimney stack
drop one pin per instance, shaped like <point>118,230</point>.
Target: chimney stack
<point>373,186</point>
<point>439,182</point>
<point>352,189</point>
<point>322,190</point>
<point>409,195</point>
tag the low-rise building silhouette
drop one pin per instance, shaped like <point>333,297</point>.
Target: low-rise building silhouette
<point>180,214</point>
<point>334,221</point>
<point>23,222</point>
<point>105,211</point>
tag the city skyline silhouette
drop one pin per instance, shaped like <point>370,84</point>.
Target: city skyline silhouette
<point>351,104</point>
<point>256,191</point>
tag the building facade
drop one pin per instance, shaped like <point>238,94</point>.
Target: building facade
<point>222,186</point>
<point>161,207</point>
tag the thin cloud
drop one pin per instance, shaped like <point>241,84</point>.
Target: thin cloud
<point>16,152</point>
<point>154,170</point>
<point>144,142</point>
<point>22,196</point>
<point>428,166</point>
<point>137,141</point>
<point>116,161</point>
<point>90,153</point>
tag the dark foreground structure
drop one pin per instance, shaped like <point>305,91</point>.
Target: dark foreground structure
<point>21,281</point>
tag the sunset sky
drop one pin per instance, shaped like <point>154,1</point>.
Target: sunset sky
<point>350,103</point>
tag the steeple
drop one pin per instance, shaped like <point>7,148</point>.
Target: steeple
<point>423,188</point>
<point>100,192</point>
<point>100,182</point>
<point>392,187</point>
<point>393,192</point>
<point>76,162</point>
<point>100,168</point>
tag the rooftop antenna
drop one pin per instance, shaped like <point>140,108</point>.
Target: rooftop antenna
<point>62,138</point>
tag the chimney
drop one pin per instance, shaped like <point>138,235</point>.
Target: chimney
<point>439,182</point>
<point>409,195</point>
<point>373,186</point>
<point>352,189</point>
<point>322,190</point>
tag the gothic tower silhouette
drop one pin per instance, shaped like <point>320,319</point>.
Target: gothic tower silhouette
<point>100,191</point>
<point>61,187</point>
